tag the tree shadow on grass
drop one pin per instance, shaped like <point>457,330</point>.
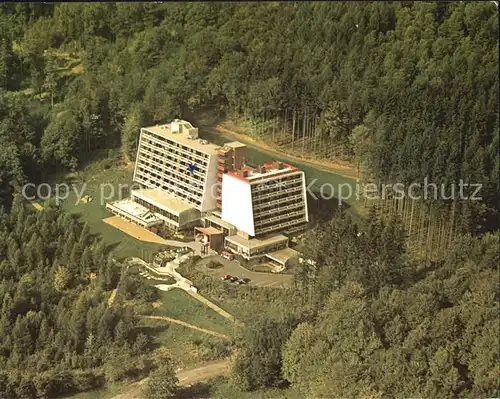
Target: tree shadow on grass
<point>76,215</point>
<point>94,236</point>
<point>153,331</point>
<point>323,209</point>
<point>105,155</point>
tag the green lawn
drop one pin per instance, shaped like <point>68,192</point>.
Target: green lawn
<point>244,302</point>
<point>100,179</point>
<point>178,304</point>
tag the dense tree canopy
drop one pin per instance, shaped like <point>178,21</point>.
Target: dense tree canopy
<point>433,334</point>
<point>404,90</point>
<point>59,335</point>
<point>410,329</point>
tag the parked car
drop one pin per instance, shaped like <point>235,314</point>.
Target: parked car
<point>242,281</point>
<point>226,277</point>
<point>233,279</point>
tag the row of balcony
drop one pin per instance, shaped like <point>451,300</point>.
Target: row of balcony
<point>275,184</point>
<point>281,226</point>
<point>189,154</point>
<point>279,217</point>
<point>144,169</point>
<point>170,162</point>
<point>276,193</point>
<point>284,200</point>
<point>279,209</point>
<point>193,180</point>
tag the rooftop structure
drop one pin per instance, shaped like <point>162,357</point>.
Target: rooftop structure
<point>235,144</point>
<point>283,256</point>
<point>163,200</point>
<point>182,132</point>
<point>227,228</point>
<point>231,158</point>
<point>269,170</point>
<point>176,214</point>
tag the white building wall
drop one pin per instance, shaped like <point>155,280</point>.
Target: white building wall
<point>209,200</point>
<point>237,204</point>
<point>137,154</point>
<point>305,195</point>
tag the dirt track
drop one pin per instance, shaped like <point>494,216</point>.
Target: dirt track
<point>203,373</point>
<point>186,378</point>
<point>339,168</point>
<point>183,323</point>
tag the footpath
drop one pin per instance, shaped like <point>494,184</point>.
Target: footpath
<point>183,323</point>
<point>182,283</point>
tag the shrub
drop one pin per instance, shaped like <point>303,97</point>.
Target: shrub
<point>213,265</point>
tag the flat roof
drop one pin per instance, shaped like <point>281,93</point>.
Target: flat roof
<point>184,138</point>
<point>282,255</point>
<point>270,172</point>
<point>235,144</point>
<point>219,221</point>
<point>256,242</point>
<point>163,200</point>
<point>210,231</point>
<point>136,210</point>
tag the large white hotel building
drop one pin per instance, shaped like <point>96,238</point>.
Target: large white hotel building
<point>186,182</point>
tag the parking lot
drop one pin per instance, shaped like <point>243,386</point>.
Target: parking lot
<point>233,268</point>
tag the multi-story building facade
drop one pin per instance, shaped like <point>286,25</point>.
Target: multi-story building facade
<point>176,173</point>
<point>231,158</point>
<point>264,200</point>
<point>184,181</point>
<point>172,157</point>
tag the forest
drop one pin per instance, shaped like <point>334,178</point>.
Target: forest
<point>59,333</point>
<point>400,90</point>
<point>370,322</point>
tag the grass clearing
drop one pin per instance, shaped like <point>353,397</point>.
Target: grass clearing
<point>178,304</point>
<point>188,347</point>
<point>244,302</point>
<point>105,179</point>
<point>107,392</point>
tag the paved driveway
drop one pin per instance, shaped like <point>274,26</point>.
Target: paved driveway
<point>233,268</point>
